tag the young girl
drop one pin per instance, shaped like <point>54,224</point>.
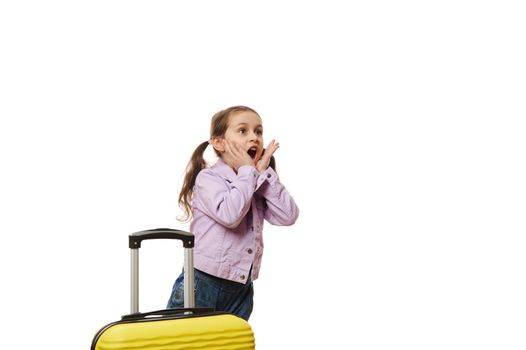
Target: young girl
<point>227,204</point>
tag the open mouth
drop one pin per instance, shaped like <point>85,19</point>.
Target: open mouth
<point>252,152</point>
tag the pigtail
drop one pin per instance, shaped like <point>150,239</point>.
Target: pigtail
<point>195,165</point>
<point>272,163</point>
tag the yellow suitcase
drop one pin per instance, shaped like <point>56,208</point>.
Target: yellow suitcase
<point>173,329</point>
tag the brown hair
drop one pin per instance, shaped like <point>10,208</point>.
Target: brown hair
<point>218,128</point>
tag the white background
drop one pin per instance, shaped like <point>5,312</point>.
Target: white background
<point>402,141</point>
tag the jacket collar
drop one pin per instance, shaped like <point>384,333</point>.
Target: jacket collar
<point>224,170</point>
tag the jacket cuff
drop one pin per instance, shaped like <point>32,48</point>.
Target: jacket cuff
<point>269,176</point>
<point>247,169</point>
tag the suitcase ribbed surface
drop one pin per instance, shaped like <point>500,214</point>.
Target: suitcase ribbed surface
<point>225,332</point>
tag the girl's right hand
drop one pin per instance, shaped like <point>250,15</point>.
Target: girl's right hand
<point>235,156</point>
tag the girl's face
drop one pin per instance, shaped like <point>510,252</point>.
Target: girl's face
<point>245,129</point>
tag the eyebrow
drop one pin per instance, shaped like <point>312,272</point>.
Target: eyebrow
<point>257,126</point>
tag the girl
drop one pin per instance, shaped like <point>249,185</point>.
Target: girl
<point>227,204</point>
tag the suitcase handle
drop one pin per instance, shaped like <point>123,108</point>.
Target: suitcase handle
<point>168,312</point>
<point>136,238</point>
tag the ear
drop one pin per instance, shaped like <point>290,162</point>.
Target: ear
<point>217,143</point>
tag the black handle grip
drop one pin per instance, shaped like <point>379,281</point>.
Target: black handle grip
<point>168,312</point>
<point>136,238</point>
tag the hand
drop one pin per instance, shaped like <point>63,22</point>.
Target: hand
<point>235,156</point>
<point>264,162</point>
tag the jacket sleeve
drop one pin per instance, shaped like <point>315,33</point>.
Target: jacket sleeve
<point>281,208</point>
<point>226,203</point>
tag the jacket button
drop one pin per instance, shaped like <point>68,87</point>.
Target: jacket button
<point>249,251</point>
<point>269,176</point>
<point>242,277</point>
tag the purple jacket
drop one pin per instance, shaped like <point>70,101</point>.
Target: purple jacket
<point>228,211</point>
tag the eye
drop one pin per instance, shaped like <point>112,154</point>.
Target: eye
<point>242,131</point>
<point>259,132</point>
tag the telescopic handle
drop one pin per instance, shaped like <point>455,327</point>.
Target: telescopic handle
<point>136,238</point>
<point>188,240</point>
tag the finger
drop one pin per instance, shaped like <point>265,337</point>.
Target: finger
<point>273,144</point>
<point>237,148</point>
<point>226,145</point>
<point>272,147</point>
<point>232,148</point>
<point>269,148</point>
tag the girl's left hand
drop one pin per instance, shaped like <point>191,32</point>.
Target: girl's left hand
<point>264,162</point>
